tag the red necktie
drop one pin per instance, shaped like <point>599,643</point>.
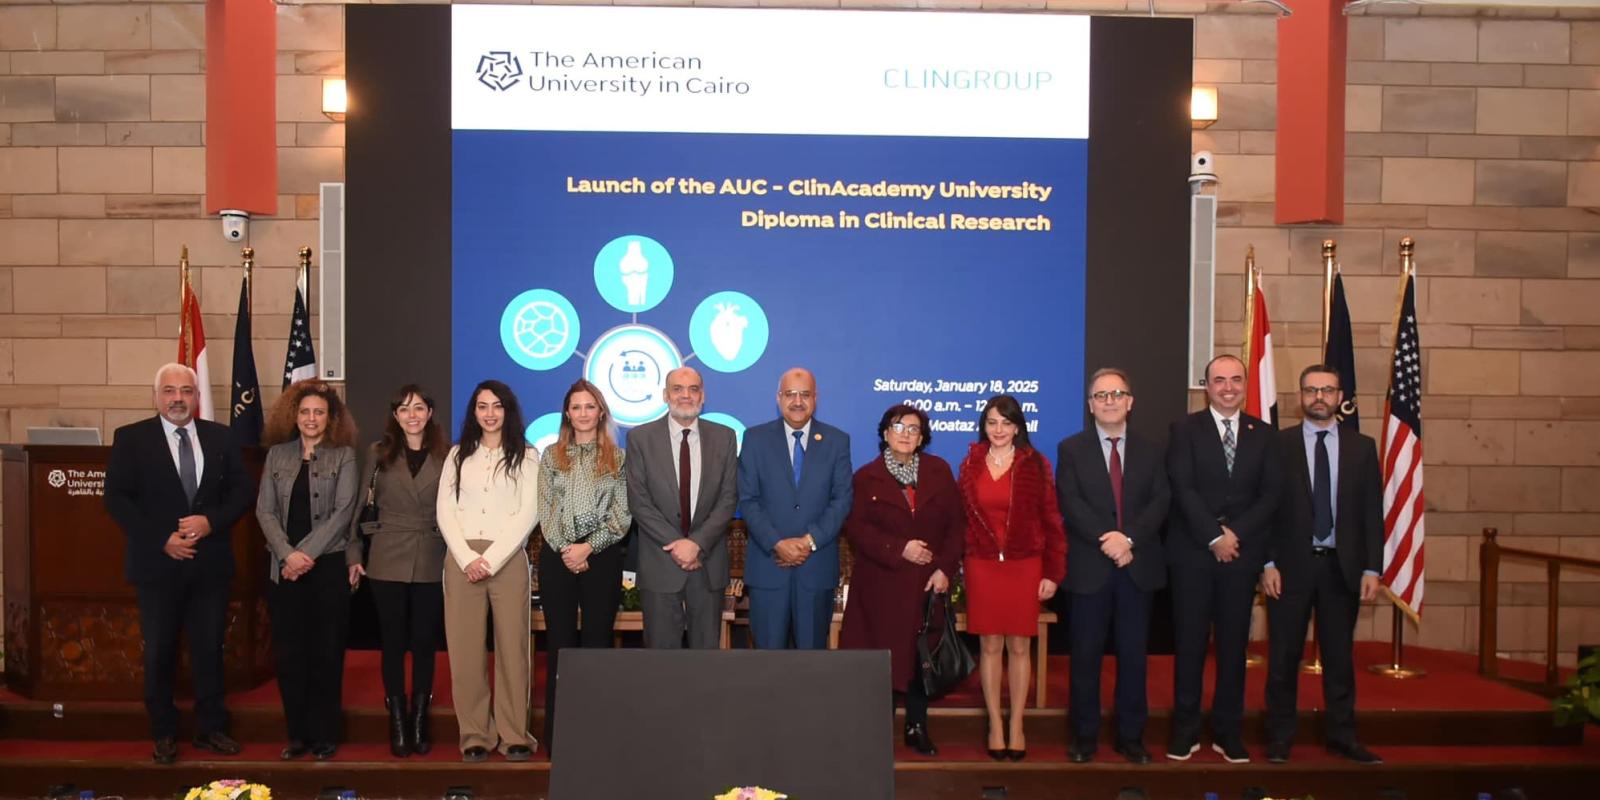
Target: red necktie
<point>1116,476</point>
<point>683,481</point>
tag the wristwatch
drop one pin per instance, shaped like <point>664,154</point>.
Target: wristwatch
<point>812,542</point>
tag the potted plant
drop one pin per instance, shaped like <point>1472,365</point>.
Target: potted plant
<point>1581,701</point>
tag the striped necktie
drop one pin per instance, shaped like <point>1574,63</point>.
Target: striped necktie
<point>1229,446</point>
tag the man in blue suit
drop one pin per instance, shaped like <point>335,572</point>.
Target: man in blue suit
<point>794,493</point>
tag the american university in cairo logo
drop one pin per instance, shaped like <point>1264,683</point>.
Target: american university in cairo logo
<point>57,479</point>
<point>499,70</point>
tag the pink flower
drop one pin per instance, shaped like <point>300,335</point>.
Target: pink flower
<point>748,793</point>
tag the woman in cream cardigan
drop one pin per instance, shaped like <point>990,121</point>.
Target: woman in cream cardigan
<point>488,498</point>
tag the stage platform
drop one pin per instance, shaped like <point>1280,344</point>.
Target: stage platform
<point>1449,735</point>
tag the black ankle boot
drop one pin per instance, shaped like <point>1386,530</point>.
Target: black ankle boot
<point>398,744</point>
<point>421,741</point>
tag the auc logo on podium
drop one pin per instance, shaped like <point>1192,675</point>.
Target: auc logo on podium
<point>78,482</point>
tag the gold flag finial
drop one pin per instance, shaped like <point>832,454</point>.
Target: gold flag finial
<point>1329,248</point>
<point>1330,251</point>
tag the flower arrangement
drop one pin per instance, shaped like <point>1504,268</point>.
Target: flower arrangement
<point>229,790</point>
<point>1581,701</point>
<point>630,593</point>
<point>750,793</point>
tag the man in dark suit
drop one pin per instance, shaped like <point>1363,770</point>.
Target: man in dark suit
<point>175,485</point>
<point>1227,475</point>
<point>682,489</point>
<point>1112,488</point>
<point>794,492</point>
<point>1327,553</point>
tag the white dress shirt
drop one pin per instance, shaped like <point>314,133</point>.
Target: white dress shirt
<point>194,444</point>
<point>694,458</point>
<point>788,438</point>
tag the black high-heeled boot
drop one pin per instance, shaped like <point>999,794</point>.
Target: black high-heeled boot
<point>399,746</point>
<point>421,740</point>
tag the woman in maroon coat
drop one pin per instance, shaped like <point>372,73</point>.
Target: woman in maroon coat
<point>905,527</point>
<point>1016,556</point>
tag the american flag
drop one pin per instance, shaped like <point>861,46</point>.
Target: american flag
<point>300,362</point>
<point>1402,461</point>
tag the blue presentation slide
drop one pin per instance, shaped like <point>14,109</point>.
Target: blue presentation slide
<point>932,270</point>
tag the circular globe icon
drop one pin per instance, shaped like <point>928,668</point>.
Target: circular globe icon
<point>539,329</point>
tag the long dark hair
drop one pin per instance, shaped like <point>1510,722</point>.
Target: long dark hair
<point>1010,410</point>
<point>513,434</point>
<point>394,437</point>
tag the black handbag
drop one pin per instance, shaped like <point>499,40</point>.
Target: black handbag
<point>943,659</point>
<point>369,512</point>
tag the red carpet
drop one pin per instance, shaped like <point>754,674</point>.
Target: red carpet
<point>1452,683</point>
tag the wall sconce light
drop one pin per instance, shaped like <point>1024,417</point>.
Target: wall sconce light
<point>334,99</point>
<point>1202,107</point>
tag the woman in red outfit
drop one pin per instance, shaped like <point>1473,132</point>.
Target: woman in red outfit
<point>905,526</point>
<point>1016,555</point>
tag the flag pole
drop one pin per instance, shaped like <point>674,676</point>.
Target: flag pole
<point>1330,252</point>
<point>1251,280</point>
<point>184,333</point>
<point>248,256</point>
<point>1396,667</point>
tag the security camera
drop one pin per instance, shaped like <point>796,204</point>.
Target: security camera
<point>235,224</point>
<point>1202,169</point>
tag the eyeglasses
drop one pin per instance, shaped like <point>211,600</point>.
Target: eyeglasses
<point>901,427</point>
<point>1112,395</point>
<point>1313,391</point>
<point>795,394</point>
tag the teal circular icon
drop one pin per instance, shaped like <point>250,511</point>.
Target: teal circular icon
<point>633,273</point>
<point>539,329</point>
<point>543,431</point>
<point>630,364</point>
<point>728,331</point>
<point>732,422</point>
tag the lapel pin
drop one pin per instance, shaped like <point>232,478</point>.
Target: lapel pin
<point>817,436</point>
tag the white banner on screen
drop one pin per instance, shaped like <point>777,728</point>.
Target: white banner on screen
<point>714,70</point>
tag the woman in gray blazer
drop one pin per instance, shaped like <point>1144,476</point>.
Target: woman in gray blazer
<point>405,560</point>
<point>308,494</point>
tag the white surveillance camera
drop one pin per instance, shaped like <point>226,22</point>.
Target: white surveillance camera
<point>1202,168</point>
<point>235,224</point>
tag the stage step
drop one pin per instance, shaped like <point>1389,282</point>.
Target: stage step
<point>1423,773</point>
<point>1048,727</point>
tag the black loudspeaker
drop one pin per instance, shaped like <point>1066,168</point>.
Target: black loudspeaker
<point>690,724</point>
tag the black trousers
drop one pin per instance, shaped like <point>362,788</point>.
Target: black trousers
<point>1337,607</point>
<point>1204,597</point>
<point>195,603</point>
<point>562,594</point>
<point>310,622</point>
<point>410,619</point>
<point>916,700</point>
<point>1120,610</point>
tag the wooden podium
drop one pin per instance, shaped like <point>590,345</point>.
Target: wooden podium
<point>71,621</point>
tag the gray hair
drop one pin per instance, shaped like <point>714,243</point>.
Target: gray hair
<point>155,383</point>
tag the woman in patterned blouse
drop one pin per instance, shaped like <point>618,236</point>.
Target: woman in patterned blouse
<point>583,512</point>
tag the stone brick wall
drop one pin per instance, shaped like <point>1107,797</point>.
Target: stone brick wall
<point>1477,133</point>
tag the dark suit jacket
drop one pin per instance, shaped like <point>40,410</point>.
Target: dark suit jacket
<point>145,497</point>
<point>653,501</point>
<point>1358,509</point>
<point>1083,489</point>
<point>774,508</point>
<point>1206,496</point>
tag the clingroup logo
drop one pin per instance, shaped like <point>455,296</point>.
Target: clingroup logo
<point>499,70</point>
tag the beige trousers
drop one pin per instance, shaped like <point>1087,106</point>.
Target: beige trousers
<point>466,607</point>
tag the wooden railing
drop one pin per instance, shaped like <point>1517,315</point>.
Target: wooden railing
<point>1490,553</point>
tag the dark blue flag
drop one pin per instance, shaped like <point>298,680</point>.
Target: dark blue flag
<point>246,398</point>
<point>1340,354</point>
